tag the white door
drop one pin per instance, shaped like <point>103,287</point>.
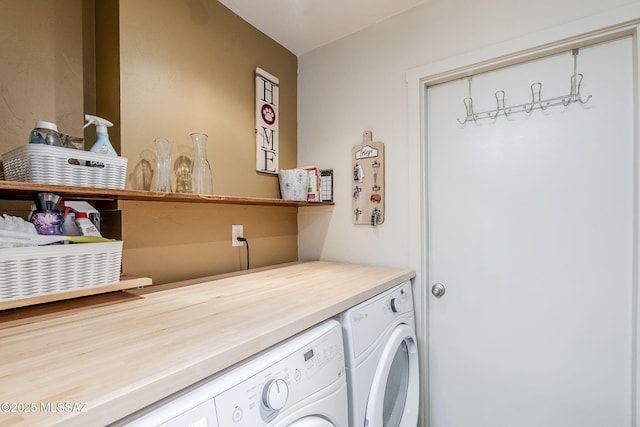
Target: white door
<point>531,231</point>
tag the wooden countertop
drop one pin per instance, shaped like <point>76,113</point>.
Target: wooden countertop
<point>101,358</point>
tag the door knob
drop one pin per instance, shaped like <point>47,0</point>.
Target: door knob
<point>438,290</point>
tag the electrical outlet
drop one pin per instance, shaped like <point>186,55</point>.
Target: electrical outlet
<point>236,231</point>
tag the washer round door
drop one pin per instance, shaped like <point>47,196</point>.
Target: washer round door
<point>395,390</point>
<point>312,421</point>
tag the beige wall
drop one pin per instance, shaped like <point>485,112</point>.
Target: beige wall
<point>188,66</point>
<point>163,68</point>
<point>41,77</point>
<point>174,241</point>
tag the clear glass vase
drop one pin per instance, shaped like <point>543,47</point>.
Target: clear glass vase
<point>163,157</point>
<point>182,169</point>
<point>201,177</point>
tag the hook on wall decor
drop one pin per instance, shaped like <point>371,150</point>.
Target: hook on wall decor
<point>536,99</point>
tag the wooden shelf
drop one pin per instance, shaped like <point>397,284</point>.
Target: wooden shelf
<point>14,190</point>
<point>126,282</point>
<point>24,190</point>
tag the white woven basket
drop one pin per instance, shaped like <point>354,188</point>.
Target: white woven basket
<point>46,164</point>
<point>44,270</point>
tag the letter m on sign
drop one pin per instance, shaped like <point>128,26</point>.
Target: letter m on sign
<point>267,118</point>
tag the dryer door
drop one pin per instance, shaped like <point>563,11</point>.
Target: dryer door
<point>312,422</point>
<point>395,390</point>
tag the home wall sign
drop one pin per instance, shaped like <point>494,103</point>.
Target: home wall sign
<point>267,118</point>
<point>367,188</point>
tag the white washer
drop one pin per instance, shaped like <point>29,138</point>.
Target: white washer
<point>299,383</point>
<point>382,360</point>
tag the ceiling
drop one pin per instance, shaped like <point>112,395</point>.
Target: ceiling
<point>303,25</point>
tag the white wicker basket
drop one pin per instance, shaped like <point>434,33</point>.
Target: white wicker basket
<point>46,164</point>
<point>45,270</point>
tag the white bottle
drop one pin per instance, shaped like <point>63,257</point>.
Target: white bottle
<point>87,228</point>
<point>69,226</point>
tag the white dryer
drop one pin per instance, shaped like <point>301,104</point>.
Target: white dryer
<point>299,383</point>
<point>382,360</point>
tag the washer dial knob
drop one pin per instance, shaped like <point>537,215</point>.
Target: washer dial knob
<point>275,394</point>
<point>396,304</point>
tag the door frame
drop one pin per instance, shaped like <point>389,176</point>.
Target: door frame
<point>617,23</point>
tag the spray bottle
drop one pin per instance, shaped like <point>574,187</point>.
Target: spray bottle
<point>69,226</point>
<point>102,145</point>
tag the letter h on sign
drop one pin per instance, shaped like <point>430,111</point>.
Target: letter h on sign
<point>267,99</point>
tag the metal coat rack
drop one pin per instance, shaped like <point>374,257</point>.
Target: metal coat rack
<point>536,103</point>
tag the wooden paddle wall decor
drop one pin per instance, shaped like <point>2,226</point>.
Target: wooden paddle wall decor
<point>368,182</point>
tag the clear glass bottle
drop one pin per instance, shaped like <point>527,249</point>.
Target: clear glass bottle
<point>163,156</point>
<point>201,177</point>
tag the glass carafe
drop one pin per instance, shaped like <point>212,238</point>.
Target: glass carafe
<point>163,156</point>
<point>201,177</point>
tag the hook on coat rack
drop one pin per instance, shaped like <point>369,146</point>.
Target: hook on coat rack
<point>536,98</point>
<point>500,106</point>
<point>536,103</point>
<point>468,106</point>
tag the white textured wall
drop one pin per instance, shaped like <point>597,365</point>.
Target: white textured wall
<point>358,83</point>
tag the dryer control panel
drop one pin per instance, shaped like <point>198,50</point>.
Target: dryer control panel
<point>369,319</point>
<point>302,369</point>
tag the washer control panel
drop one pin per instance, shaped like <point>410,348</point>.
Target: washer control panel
<point>302,371</point>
